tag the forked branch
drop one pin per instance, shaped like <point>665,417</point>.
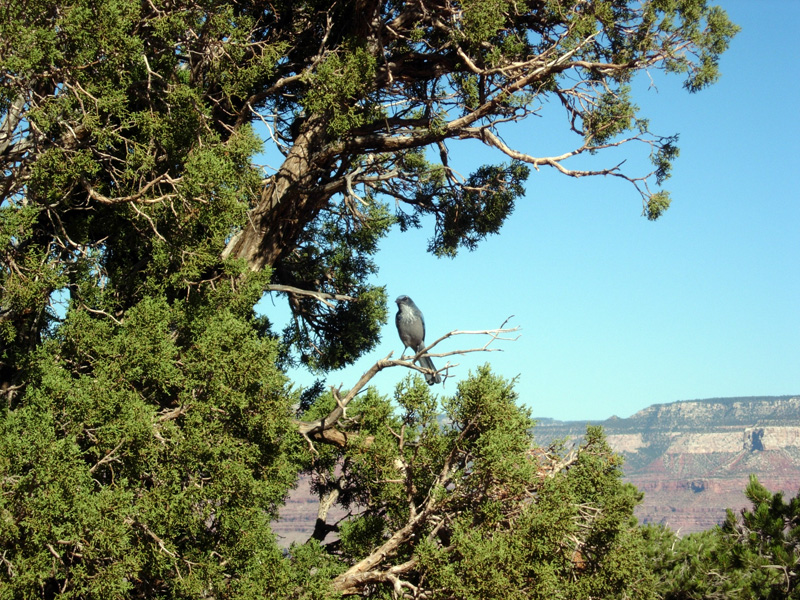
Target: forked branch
<point>324,430</point>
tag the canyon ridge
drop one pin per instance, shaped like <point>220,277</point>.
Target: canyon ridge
<point>691,459</point>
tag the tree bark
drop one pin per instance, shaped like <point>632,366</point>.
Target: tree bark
<point>288,203</point>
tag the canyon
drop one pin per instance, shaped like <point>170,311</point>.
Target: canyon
<point>691,459</point>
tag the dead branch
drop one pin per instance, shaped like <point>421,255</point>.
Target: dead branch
<point>138,197</point>
<point>321,296</point>
<point>174,413</point>
<point>107,458</point>
<point>321,527</point>
<point>323,430</point>
<point>162,546</point>
<point>351,581</point>
<point>560,464</point>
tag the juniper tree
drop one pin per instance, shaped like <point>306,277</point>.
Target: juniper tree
<point>751,555</point>
<point>148,430</point>
<point>452,499</point>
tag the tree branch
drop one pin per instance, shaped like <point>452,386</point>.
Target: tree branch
<point>321,296</point>
<point>107,458</point>
<point>322,430</point>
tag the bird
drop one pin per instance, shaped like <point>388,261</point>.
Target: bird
<point>411,328</point>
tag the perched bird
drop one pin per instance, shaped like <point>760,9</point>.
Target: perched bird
<point>411,327</point>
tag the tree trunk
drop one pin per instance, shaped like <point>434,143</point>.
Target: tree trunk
<point>288,203</point>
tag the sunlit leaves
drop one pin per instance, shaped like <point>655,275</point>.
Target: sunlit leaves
<point>656,204</point>
<point>149,430</point>
<point>481,20</point>
<point>612,115</point>
<point>339,86</point>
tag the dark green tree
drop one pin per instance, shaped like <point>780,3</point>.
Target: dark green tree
<point>148,433</point>
<point>765,543</point>
<point>753,555</point>
<point>463,505</point>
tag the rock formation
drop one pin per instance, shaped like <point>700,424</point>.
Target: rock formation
<point>693,459</point>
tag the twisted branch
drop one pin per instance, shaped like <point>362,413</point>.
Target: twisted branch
<point>323,429</point>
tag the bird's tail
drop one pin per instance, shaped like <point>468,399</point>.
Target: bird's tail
<point>426,363</point>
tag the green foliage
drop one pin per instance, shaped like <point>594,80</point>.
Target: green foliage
<point>156,453</point>
<point>361,532</point>
<point>612,115</point>
<point>656,205</point>
<point>331,246</point>
<point>662,158</point>
<point>765,543</point>
<point>464,215</point>
<point>337,87</point>
<point>486,515</point>
<point>483,20</point>
<point>148,433</point>
<point>685,566</point>
<point>146,443</point>
<point>311,569</point>
<point>478,209</point>
<point>529,554</point>
<point>752,556</point>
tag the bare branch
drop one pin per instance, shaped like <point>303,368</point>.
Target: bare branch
<point>323,430</point>
<point>361,572</point>
<point>153,536</point>
<point>321,527</point>
<point>107,458</point>
<point>101,312</point>
<point>138,197</point>
<point>174,413</point>
<point>14,116</point>
<point>321,296</point>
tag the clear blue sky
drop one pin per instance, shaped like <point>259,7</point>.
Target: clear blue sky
<point>618,313</point>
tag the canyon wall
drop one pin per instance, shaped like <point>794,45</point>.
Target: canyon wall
<point>693,459</point>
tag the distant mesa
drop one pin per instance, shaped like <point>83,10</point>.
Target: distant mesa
<point>698,486</point>
<point>692,459</point>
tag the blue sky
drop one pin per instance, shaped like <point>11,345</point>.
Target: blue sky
<point>616,312</point>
